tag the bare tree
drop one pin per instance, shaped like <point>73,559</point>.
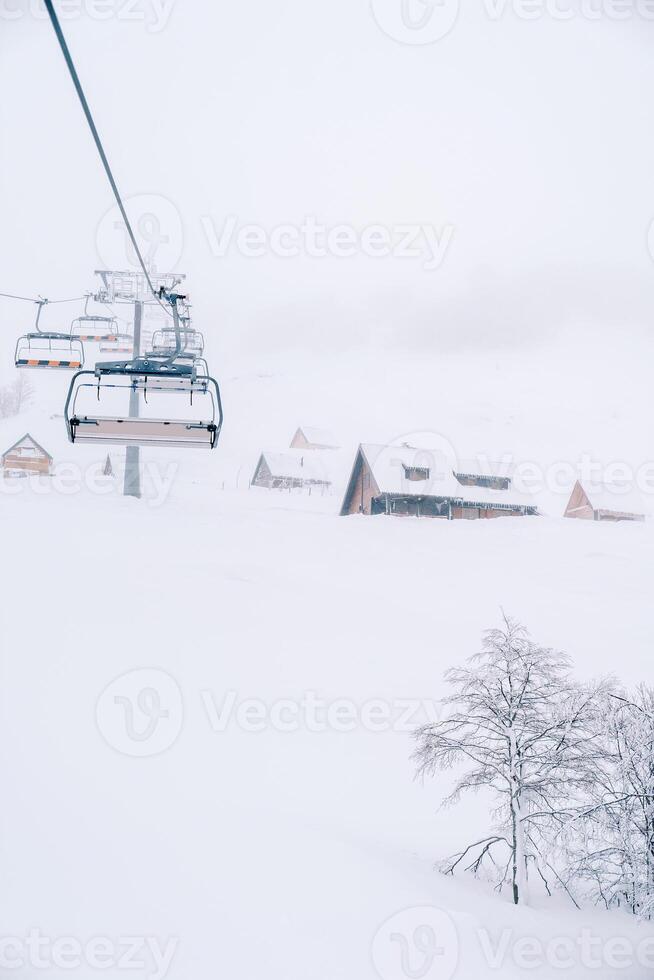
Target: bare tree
<point>24,390</point>
<point>14,396</point>
<point>518,726</point>
<point>611,840</point>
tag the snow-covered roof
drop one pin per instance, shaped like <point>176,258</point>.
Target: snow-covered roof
<point>482,466</point>
<point>622,498</point>
<point>389,466</point>
<point>296,464</point>
<point>319,437</point>
<point>27,439</point>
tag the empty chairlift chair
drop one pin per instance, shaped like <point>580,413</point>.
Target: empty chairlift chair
<point>94,328</point>
<point>172,379</point>
<point>164,341</point>
<point>48,348</point>
<point>122,343</point>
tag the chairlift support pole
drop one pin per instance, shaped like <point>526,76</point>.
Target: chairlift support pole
<point>132,482</point>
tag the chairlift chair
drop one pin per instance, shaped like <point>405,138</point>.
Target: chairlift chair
<point>199,363</point>
<point>122,343</point>
<point>48,348</point>
<point>163,340</point>
<point>94,328</point>
<point>172,375</point>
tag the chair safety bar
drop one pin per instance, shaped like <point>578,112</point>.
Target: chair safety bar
<point>49,350</point>
<point>142,432</point>
<point>23,362</point>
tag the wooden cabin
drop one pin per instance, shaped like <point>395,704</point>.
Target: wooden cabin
<point>407,481</point>
<point>26,456</point>
<point>290,470</point>
<point>311,438</point>
<point>605,502</point>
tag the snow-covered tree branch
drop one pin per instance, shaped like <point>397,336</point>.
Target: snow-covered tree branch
<point>519,726</point>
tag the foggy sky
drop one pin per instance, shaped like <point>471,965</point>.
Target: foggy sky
<point>532,141</point>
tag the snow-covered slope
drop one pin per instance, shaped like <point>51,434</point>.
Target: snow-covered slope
<point>256,806</point>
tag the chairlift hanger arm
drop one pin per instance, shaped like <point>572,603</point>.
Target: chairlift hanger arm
<point>173,299</point>
<point>41,304</point>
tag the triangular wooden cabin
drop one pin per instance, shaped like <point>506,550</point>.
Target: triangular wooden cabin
<point>26,456</point>
<point>290,470</point>
<point>605,502</point>
<point>309,437</point>
<point>407,481</point>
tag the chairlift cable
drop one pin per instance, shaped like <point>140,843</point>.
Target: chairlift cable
<point>30,299</point>
<point>98,143</point>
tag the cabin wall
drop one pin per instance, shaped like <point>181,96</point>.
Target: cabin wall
<point>299,442</point>
<point>579,506</point>
<point>415,507</point>
<point>430,507</point>
<point>362,492</point>
<point>262,476</point>
<point>616,517</point>
<point>29,464</point>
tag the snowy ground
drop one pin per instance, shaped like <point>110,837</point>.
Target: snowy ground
<point>269,824</point>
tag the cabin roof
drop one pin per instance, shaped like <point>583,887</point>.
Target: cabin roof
<point>387,464</point>
<point>24,438</point>
<point>295,464</point>
<point>616,498</point>
<point>482,466</point>
<point>318,437</point>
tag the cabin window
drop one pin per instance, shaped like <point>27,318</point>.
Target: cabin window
<point>416,473</point>
<point>490,482</point>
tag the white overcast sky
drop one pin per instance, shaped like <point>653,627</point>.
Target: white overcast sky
<point>532,140</point>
